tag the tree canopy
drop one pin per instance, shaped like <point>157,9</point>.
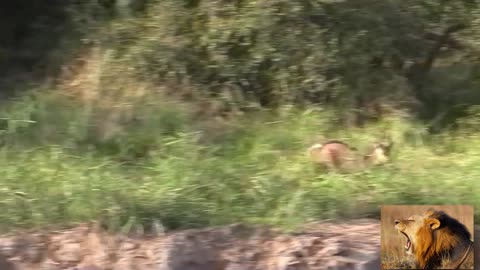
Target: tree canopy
<point>359,54</point>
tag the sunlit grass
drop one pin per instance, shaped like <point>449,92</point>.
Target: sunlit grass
<point>160,168</point>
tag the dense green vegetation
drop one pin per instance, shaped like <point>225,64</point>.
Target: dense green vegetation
<point>199,112</point>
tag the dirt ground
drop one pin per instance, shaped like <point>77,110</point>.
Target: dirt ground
<point>335,246</point>
<point>348,245</point>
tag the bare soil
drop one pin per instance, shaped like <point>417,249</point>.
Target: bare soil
<point>333,246</point>
<point>346,245</point>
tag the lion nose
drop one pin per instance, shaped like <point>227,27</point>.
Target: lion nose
<point>396,221</point>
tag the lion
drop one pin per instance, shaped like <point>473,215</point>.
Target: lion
<point>437,241</point>
<point>337,155</point>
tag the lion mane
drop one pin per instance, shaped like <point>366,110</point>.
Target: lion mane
<point>437,239</point>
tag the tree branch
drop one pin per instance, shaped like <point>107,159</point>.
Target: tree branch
<point>418,72</point>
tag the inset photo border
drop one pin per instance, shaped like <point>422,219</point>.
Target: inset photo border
<point>427,237</point>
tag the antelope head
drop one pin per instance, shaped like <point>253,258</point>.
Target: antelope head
<point>379,153</point>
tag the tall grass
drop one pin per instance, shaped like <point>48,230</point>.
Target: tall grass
<point>58,168</point>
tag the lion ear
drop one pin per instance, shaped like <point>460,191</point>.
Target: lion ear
<point>429,212</point>
<point>433,223</point>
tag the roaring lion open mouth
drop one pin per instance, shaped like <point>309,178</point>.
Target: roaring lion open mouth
<point>409,243</point>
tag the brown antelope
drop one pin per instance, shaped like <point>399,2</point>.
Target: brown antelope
<point>338,155</point>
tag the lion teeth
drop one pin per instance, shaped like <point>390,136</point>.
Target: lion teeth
<point>407,246</point>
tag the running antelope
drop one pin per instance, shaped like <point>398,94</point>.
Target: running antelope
<point>338,155</point>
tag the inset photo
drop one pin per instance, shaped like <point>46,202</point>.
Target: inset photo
<point>427,237</point>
